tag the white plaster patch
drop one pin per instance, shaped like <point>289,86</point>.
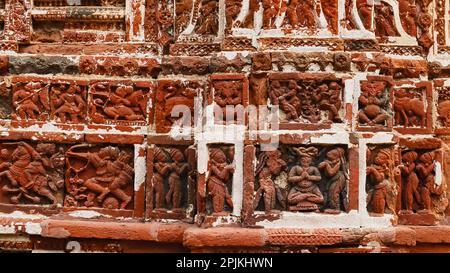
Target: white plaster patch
<point>33,228</point>
<point>140,166</point>
<point>318,220</point>
<point>86,214</point>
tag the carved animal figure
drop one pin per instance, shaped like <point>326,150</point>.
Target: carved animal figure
<point>405,107</point>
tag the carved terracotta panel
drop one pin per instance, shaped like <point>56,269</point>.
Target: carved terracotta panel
<point>119,102</point>
<point>382,176</point>
<point>32,173</point>
<point>68,101</point>
<point>375,105</point>
<point>175,103</point>
<point>30,99</point>
<point>171,181</point>
<point>307,100</point>
<point>219,181</point>
<point>302,178</point>
<point>412,108</point>
<point>229,91</point>
<point>99,176</point>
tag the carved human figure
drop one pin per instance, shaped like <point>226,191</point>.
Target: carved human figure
<point>165,22</point>
<point>411,180</point>
<point>372,102</point>
<point>269,167</point>
<point>365,13</point>
<point>27,100</point>
<point>333,169</point>
<point>27,173</point>
<point>172,94</point>
<point>409,109</point>
<point>161,170</point>
<point>385,25</point>
<point>208,22</point>
<point>179,169</point>
<point>329,98</point>
<point>378,175</point>
<point>330,10</point>
<point>220,174</point>
<point>278,96</point>
<point>307,14</point>
<point>291,13</point>
<point>270,12</point>
<point>425,169</point>
<point>349,20</point>
<point>232,9</point>
<point>408,13</point>
<point>122,103</point>
<point>111,168</point>
<point>304,194</point>
<point>228,93</point>
<point>68,105</point>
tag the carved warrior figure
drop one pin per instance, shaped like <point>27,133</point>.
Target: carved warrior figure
<point>409,110</point>
<point>220,174</point>
<point>28,171</point>
<point>169,165</point>
<point>373,102</point>
<point>68,102</point>
<point>419,180</point>
<point>30,100</point>
<point>304,194</point>
<point>269,167</point>
<point>105,173</point>
<point>334,169</point>
<point>379,173</point>
<point>299,13</point>
<point>122,103</point>
<point>208,21</point>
